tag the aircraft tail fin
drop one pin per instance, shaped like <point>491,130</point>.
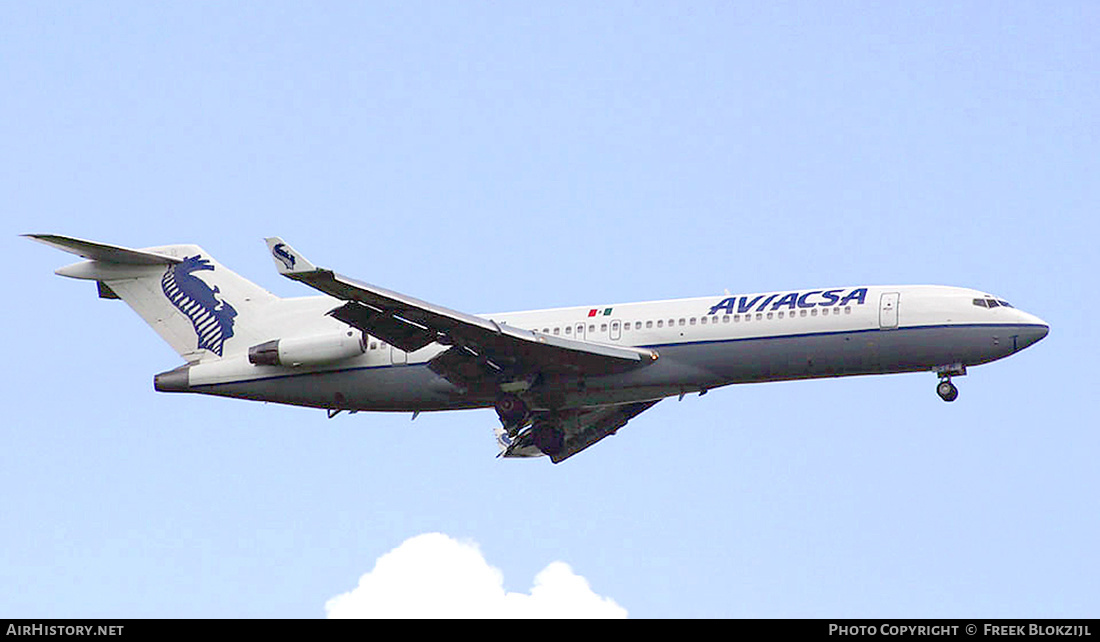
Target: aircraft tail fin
<point>200,308</point>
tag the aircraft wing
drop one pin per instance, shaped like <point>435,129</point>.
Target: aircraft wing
<point>582,429</point>
<point>482,351</point>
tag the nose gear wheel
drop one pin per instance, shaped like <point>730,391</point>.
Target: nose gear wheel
<point>947,390</point>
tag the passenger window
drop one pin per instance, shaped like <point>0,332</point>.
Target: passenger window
<point>769,315</point>
<point>725,318</point>
<point>813,312</point>
<point>557,331</point>
<point>569,329</point>
<point>637,325</point>
<point>692,322</point>
<point>661,323</point>
<point>737,318</point>
<point>780,315</point>
<point>373,345</point>
<point>759,316</point>
<point>847,309</point>
<point>649,324</point>
<point>682,321</point>
<point>592,328</point>
<point>603,327</point>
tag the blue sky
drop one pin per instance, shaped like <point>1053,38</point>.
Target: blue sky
<point>505,156</point>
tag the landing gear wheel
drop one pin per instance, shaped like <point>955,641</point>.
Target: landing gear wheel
<point>549,438</point>
<point>947,390</point>
<point>513,413</point>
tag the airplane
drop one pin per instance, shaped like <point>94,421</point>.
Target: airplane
<point>559,379</point>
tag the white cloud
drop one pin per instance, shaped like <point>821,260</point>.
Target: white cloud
<point>435,576</point>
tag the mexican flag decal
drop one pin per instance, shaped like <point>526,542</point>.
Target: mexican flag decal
<point>595,312</point>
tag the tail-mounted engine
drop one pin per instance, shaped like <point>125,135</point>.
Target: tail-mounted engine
<point>308,351</point>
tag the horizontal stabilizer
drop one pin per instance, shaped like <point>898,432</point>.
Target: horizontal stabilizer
<point>102,251</point>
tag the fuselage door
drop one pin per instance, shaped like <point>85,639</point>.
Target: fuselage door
<point>888,310</point>
<point>616,330</point>
<point>579,330</point>
<point>398,356</point>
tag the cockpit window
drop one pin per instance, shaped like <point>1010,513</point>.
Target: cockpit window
<point>992,303</point>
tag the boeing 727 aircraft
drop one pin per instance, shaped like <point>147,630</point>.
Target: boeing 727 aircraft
<point>560,379</point>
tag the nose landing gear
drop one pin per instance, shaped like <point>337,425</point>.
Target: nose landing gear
<point>945,389</point>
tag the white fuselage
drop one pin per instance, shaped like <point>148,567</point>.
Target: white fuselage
<point>702,343</point>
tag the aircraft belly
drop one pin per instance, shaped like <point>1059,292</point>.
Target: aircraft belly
<point>701,365</point>
<point>399,388</point>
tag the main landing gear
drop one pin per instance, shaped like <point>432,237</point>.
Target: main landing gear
<point>546,430</point>
<point>513,413</point>
<point>945,389</point>
<point>549,437</point>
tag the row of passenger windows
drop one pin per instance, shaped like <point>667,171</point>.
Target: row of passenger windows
<point>712,320</point>
<point>686,321</point>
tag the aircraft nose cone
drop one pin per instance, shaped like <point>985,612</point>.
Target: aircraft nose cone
<point>1042,328</point>
<point>1034,331</point>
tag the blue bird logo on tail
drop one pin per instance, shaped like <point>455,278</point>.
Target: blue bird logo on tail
<point>211,317</point>
<point>284,255</point>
